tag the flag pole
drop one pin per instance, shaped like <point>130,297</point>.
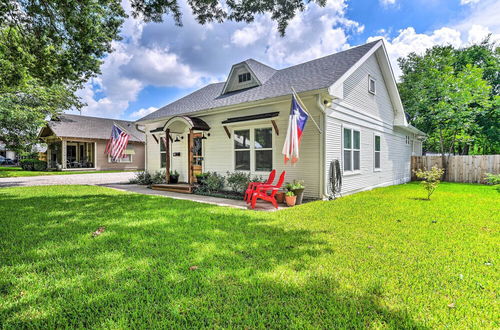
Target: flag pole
<point>305,109</point>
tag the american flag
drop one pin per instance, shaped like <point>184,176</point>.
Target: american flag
<point>117,143</point>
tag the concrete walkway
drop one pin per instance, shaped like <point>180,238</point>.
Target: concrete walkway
<point>261,205</point>
<point>47,180</point>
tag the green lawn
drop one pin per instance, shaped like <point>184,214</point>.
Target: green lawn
<point>10,172</point>
<point>378,259</point>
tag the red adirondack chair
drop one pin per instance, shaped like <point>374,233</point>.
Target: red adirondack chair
<point>252,185</point>
<point>261,191</point>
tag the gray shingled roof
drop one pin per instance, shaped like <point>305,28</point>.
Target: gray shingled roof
<point>262,71</point>
<point>313,75</point>
<point>75,126</point>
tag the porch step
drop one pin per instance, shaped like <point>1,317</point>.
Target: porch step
<point>174,187</point>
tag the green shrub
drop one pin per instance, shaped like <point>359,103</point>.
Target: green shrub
<point>159,177</point>
<point>493,179</point>
<point>238,181</point>
<point>430,179</point>
<point>39,165</point>
<point>295,185</point>
<point>32,164</point>
<point>142,177</point>
<point>213,183</point>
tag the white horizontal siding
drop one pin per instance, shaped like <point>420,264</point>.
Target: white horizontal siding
<point>370,114</point>
<point>218,148</point>
<point>356,92</point>
<point>394,157</point>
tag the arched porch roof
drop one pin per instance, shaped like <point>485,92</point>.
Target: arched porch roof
<point>194,123</point>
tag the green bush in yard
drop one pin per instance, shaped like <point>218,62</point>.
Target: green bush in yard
<point>238,181</point>
<point>142,177</point>
<point>493,179</point>
<point>158,177</point>
<point>32,164</point>
<point>430,179</point>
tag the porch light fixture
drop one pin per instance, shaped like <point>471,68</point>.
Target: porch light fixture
<point>177,139</point>
<point>203,137</point>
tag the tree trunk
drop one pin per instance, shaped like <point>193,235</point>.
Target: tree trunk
<point>443,157</point>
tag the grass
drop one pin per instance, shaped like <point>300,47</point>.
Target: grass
<point>378,259</point>
<point>11,172</point>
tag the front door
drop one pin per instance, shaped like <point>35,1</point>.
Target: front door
<point>195,155</point>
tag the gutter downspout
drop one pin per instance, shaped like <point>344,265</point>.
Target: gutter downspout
<point>145,146</point>
<point>323,147</point>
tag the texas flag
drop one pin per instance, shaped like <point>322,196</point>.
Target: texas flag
<point>296,124</point>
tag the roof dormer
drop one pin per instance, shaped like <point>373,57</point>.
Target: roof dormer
<point>247,74</point>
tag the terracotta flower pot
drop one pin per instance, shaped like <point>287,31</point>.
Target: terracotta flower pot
<point>290,200</point>
<point>280,196</point>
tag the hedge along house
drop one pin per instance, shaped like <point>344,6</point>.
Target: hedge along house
<point>240,124</point>
<point>78,142</point>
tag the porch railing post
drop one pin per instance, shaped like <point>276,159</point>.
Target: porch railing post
<point>191,158</point>
<point>167,155</point>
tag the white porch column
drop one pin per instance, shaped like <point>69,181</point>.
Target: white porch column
<point>63,153</point>
<point>94,161</point>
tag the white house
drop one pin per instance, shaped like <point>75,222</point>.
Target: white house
<point>240,124</point>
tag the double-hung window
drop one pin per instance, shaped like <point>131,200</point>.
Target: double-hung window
<point>242,148</point>
<point>352,144</point>
<point>163,153</point>
<point>253,149</point>
<point>377,152</point>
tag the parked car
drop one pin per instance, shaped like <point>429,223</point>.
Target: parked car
<point>6,161</point>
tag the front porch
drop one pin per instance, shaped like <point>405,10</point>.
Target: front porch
<point>71,155</point>
<point>240,204</point>
<point>184,188</point>
<point>181,148</point>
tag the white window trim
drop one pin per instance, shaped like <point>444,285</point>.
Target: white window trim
<point>244,75</point>
<point>352,128</point>
<point>375,169</point>
<point>252,148</point>
<point>370,79</point>
<point>120,160</point>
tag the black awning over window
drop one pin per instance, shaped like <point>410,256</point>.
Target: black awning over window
<point>252,117</point>
<point>157,130</point>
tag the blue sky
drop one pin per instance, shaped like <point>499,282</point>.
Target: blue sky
<point>157,63</point>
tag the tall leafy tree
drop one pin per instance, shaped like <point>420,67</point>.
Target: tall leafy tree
<point>50,48</point>
<point>452,95</point>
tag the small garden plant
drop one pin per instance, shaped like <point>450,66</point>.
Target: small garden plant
<point>238,181</point>
<point>430,179</point>
<point>147,178</point>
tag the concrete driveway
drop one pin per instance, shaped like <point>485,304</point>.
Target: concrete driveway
<point>89,179</point>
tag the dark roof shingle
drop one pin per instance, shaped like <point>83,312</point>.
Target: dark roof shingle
<point>313,75</point>
<point>76,126</point>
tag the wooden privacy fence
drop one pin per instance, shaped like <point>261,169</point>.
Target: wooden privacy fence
<point>469,169</point>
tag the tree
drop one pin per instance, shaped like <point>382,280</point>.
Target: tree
<point>449,95</point>
<point>50,48</point>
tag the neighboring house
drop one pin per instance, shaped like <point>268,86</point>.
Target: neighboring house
<point>78,142</point>
<point>6,153</point>
<point>240,124</point>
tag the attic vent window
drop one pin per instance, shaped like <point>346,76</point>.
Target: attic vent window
<point>371,84</point>
<point>244,77</point>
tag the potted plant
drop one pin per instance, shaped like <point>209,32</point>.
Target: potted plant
<point>298,189</point>
<point>290,198</point>
<point>200,178</point>
<point>174,177</point>
<point>280,196</point>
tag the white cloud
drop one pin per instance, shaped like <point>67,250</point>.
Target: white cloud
<point>409,41</point>
<point>386,3</point>
<point>468,2</point>
<point>166,55</point>
<point>313,33</point>
<point>142,112</point>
